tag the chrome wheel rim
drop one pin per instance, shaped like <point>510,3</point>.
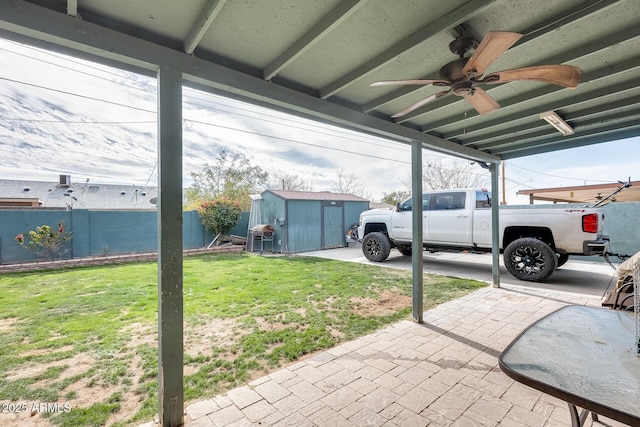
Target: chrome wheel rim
<point>373,247</point>
<point>528,260</point>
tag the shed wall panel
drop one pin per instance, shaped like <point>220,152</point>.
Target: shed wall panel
<point>352,211</point>
<point>304,225</point>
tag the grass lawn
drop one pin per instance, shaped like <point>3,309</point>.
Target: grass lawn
<point>86,338</point>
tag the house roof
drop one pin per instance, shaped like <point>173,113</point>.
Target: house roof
<point>585,193</point>
<point>317,59</point>
<point>316,195</point>
<point>77,195</point>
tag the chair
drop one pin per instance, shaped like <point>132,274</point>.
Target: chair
<point>622,297</point>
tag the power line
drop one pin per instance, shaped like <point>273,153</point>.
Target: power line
<point>299,142</point>
<point>81,122</point>
<point>79,71</point>
<point>256,115</point>
<point>78,95</point>
<point>288,124</point>
<point>557,176</point>
<point>211,101</point>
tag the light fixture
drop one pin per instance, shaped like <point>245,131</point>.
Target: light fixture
<point>556,121</point>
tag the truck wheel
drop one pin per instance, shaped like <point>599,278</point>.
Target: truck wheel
<point>562,259</point>
<point>404,250</point>
<point>530,259</point>
<point>376,246</point>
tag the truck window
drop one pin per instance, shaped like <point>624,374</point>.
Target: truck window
<point>483,199</point>
<point>448,201</point>
<point>406,205</point>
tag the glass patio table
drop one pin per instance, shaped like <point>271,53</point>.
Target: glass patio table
<point>585,356</point>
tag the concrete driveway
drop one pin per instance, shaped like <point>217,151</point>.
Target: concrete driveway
<point>577,275</point>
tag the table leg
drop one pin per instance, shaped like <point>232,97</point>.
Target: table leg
<point>578,419</point>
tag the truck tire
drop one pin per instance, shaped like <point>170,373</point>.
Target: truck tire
<point>530,259</point>
<point>404,250</point>
<point>376,246</point>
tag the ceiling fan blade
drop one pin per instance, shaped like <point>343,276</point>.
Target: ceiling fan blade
<point>420,103</point>
<point>562,75</point>
<point>482,101</point>
<point>408,82</point>
<point>491,47</point>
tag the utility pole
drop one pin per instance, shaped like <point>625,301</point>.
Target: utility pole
<point>504,196</point>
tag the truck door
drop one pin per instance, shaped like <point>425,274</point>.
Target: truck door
<point>449,220</point>
<point>401,220</point>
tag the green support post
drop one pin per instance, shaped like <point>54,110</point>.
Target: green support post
<point>495,226</point>
<point>170,308</point>
<point>416,224</point>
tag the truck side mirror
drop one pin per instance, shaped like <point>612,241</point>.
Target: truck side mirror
<point>402,208</point>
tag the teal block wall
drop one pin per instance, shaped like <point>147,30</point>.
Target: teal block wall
<point>15,221</point>
<point>100,232</point>
<point>622,224</point>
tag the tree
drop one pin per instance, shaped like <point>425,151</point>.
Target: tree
<point>349,184</point>
<point>290,183</point>
<point>395,196</point>
<point>231,175</point>
<point>438,174</point>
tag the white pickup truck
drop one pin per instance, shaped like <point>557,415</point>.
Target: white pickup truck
<point>535,241</point>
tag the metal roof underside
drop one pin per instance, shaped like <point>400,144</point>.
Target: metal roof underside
<point>317,58</point>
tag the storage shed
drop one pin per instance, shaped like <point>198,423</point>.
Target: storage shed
<point>308,220</point>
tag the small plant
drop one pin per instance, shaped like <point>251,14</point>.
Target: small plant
<point>45,242</point>
<point>220,215</point>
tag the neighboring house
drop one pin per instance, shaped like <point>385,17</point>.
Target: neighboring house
<point>306,220</point>
<point>75,195</point>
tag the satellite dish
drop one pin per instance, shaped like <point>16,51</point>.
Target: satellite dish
<point>153,201</point>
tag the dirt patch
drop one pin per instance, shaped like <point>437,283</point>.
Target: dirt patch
<point>389,301</point>
<point>30,370</point>
<point>7,324</point>
<point>266,325</point>
<point>86,391</point>
<point>42,351</point>
<point>201,338</point>
<point>140,334</point>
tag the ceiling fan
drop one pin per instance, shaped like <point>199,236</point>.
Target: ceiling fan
<point>464,75</point>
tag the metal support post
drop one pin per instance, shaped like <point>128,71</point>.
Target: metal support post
<point>170,309</point>
<point>495,226</point>
<point>416,224</point>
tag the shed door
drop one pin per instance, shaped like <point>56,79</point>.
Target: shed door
<point>332,225</point>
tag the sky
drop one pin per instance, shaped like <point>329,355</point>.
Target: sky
<point>63,115</point>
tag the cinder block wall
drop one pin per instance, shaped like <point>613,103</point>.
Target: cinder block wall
<point>99,232</point>
<point>622,223</point>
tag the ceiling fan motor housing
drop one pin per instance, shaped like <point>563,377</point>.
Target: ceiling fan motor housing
<point>462,88</point>
<point>453,70</point>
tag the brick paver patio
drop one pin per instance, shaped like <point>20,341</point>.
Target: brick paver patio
<point>441,373</point>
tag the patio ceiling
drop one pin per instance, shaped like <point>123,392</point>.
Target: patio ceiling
<point>318,58</point>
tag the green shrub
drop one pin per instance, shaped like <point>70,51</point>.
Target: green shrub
<point>44,241</point>
<point>220,215</point>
